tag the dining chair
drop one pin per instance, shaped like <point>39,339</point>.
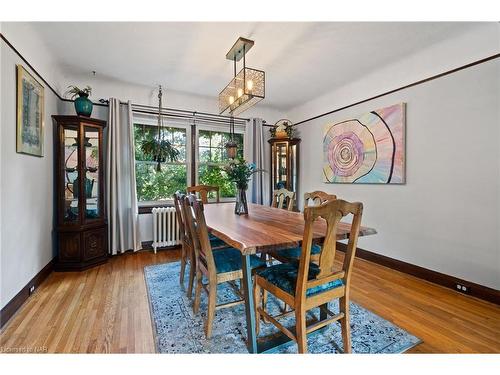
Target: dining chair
<point>203,191</point>
<point>216,266</point>
<point>187,250</point>
<point>306,285</point>
<point>314,198</point>
<point>280,196</point>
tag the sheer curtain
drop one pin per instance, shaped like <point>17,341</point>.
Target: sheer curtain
<point>121,191</point>
<point>255,152</point>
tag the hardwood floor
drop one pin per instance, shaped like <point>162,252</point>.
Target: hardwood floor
<point>106,309</point>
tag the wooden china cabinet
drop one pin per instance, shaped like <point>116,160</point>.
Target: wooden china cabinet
<point>81,228</point>
<point>284,164</point>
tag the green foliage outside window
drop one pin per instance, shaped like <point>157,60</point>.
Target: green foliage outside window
<point>212,156</point>
<point>153,185</point>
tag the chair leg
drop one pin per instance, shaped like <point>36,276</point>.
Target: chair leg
<point>264,303</point>
<point>197,293</point>
<point>257,300</point>
<point>300,327</point>
<point>212,298</point>
<point>345,324</point>
<point>183,264</point>
<point>192,272</point>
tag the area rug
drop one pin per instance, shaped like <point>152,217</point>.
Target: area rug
<point>178,330</point>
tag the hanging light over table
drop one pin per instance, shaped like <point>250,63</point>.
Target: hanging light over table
<point>247,87</point>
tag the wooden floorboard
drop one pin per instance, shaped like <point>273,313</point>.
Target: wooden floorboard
<point>106,310</point>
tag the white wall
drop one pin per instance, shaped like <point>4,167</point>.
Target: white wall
<point>446,217</point>
<point>26,190</point>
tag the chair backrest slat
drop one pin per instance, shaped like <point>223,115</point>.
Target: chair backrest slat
<point>195,218</point>
<point>203,191</point>
<point>280,196</point>
<point>179,214</point>
<point>317,198</point>
<point>332,212</point>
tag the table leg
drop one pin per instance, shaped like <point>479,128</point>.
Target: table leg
<point>249,304</point>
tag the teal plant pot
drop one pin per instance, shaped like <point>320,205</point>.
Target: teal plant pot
<point>83,106</point>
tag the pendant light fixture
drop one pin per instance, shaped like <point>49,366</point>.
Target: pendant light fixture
<point>247,87</point>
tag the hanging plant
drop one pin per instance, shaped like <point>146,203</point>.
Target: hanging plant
<point>158,148</point>
<point>159,151</point>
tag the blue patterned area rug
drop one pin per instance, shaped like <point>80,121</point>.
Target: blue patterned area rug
<point>178,330</point>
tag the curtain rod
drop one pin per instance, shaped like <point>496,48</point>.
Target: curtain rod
<point>187,116</point>
<point>477,62</point>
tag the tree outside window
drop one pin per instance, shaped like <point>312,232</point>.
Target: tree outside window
<point>151,184</point>
<point>211,155</point>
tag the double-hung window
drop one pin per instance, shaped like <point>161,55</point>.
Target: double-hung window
<point>211,155</point>
<point>202,167</point>
<point>154,185</point>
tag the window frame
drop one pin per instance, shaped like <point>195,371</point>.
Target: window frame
<point>192,151</point>
<point>152,120</point>
<point>238,129</point>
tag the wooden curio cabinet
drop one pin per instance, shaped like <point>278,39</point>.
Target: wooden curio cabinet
<point>284,163</point>
<point>81,229</point>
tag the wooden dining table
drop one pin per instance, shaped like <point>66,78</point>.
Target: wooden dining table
<point>262,229</point>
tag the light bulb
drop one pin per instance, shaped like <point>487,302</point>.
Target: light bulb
<point>240,93</point>
<point>231,99</point>
<point>250,85</point>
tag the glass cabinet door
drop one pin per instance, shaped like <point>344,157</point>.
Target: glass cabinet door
<point>71,206</point>
<point>280,166</point>
<point>91,170</point>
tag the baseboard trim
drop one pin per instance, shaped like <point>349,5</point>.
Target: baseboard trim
<point>17,301</point>
<point>473,289</point>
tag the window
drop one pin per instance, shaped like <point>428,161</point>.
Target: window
<point>211,154</point>
<point>151,184</point>
<point>199,166</point>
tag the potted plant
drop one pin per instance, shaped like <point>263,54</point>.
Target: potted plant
<point>159,150</point>
<point>83,105</point>
<point>240,172</point>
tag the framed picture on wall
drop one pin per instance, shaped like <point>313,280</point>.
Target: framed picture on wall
<point>30,114</point>
<point>369,149</point>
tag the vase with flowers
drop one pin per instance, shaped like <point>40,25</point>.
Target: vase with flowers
<point>240,172</point>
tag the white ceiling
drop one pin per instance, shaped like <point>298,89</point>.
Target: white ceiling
<point>301,60</point>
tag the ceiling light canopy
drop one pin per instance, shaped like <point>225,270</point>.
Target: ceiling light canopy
<point>247,87</point>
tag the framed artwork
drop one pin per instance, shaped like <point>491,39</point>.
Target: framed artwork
<point>369,149</point>
<point>30,114</point>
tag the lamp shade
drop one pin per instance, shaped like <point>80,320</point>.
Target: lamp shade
<point>247,88</point>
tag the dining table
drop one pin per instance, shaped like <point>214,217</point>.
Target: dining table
<point>264,228</point>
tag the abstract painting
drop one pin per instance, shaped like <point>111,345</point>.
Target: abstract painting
<point>30,106</point>
<point>369,149</point>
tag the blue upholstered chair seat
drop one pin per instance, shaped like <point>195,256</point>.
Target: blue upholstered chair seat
<point>228,260</point>
<point>294,252</point>
<point>284,276</point>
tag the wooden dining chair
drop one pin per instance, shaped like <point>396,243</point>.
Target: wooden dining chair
<point>203,190</point>
<point>217,266</point>
<point>282,196</point>
<point>306,285</point>
<point>314,198</point>
<point>187,250</point>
